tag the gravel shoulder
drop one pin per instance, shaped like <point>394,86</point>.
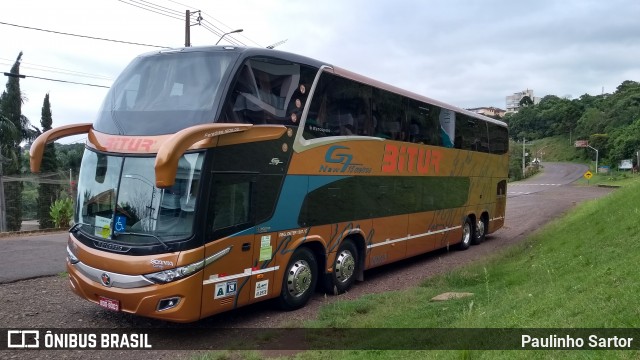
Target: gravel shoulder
<point>48,302</point>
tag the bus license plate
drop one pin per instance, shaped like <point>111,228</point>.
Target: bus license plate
<point>110,304</point>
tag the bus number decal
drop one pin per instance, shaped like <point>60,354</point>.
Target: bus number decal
<point>337,157</point>
<point>411,159</point>
<point>262,288</point>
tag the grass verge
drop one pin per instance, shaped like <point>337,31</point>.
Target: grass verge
<point>578,272</point>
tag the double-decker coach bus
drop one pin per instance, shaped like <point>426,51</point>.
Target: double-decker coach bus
<point>216,177</point>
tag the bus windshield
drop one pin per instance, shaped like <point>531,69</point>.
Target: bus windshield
<point>118,199</point>
<point>164,93</point>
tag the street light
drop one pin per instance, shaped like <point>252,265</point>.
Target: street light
<point>231,32</point>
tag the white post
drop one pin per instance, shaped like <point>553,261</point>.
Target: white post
<point>591,147</point>
<point>524,140</point>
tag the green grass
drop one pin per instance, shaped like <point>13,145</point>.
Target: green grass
<point>614,178</point>
<point>578,272</point>
<point>555,149</point>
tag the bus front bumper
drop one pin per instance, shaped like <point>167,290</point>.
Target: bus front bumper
<point>177,301</point>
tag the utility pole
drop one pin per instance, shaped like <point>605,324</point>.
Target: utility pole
<point>187,26</point>
<point>187,29</point>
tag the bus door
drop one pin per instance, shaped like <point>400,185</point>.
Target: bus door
<point>229,253</point>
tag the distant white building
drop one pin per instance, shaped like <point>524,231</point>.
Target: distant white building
<point>513,101</point>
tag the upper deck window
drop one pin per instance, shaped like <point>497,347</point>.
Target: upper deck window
<point>268,91</point>
<point>164,93</point>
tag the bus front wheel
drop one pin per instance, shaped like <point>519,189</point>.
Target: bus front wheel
<point>345,268</point>
<point>299,281</point>
<point>467,234</point>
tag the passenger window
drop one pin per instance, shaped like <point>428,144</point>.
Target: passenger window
<point>340,107</point>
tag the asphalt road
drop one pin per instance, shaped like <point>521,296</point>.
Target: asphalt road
<point>32,256</point>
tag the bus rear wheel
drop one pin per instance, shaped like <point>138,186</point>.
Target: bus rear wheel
<point>480,232</point>
<point>299,280</point>
<point>345,268</point>
<point>467,234</point>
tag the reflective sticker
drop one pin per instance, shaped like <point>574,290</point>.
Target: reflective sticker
<point>225,289</point>
<point>262,288</point>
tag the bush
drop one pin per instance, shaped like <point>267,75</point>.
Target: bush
<point>61,212</point>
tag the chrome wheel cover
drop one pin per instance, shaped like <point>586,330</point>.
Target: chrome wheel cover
<point>345,266</point>
<point>466,233</point>
<point>299,278</point>
<point>480,229</point>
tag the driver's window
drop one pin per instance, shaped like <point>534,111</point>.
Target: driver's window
<point>230,201</point>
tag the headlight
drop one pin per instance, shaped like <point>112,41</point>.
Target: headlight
<point>165,276</point>
<point>72,257</point>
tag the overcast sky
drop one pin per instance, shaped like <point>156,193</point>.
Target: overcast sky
<point>466,53</point>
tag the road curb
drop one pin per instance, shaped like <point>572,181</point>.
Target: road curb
<point>31,232</point>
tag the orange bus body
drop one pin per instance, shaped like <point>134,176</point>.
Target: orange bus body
<point>301,244</point>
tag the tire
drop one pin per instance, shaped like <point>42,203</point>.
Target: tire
<point>345,269</point>
<point>480,231</point>
<point>299,280</point>
<point>467,234</point>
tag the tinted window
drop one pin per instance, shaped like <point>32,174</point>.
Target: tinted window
<point>498,138</point>
<point>164,93</point>
<point>230,200</point>
<point>471,134</point>
<point>268,91</point>
<point>424,124</point>
<point>339,107</point>
<point>363,197</point>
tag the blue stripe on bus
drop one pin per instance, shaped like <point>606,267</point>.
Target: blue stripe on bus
<point>290,202</point>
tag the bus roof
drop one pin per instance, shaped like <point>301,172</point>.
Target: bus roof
<point>247,52</point>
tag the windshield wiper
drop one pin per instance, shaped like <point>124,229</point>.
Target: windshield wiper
<point>166,247</point>
<point>76,226</point>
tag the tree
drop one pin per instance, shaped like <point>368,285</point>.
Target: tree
<point>525,101</point>
<point>11,110</point>
<point>47,193</point>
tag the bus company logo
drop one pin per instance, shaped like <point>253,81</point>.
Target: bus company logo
<point>340,160</point>
<point>410,159</point>
<point>275,161</point>
<point>106,279</point>
<point>129,144</point>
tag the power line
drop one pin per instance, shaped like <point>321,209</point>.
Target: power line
<point>24,65</point>
<point>216,27</point>
<point>178,12</point>
<point>148,8</point>
<point>84,36</point>
<point>43,78</point>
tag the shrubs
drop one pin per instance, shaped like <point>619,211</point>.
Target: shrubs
<point>61,212</point>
